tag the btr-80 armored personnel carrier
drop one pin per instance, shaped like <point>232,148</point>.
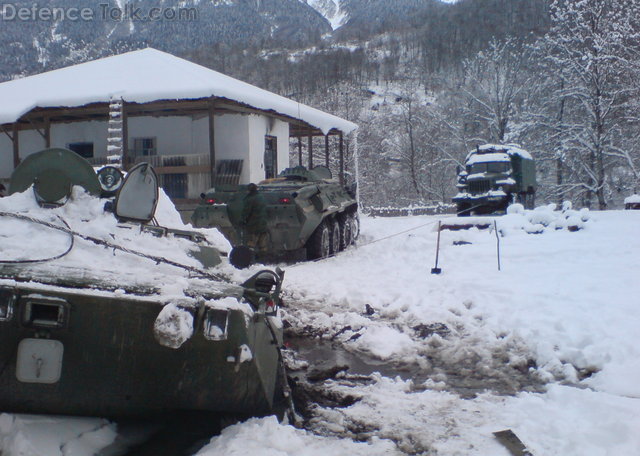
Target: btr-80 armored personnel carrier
<point>309,214</point>
<point>105,312</point>
<point>494,177</point>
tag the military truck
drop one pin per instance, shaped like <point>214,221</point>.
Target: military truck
<point>105,313</point>
<point>309,214</point>
<point>493,177</point>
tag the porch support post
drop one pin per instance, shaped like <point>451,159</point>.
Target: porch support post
<point>125,137</point>
<point>16,145</point>
<point>47,132</point>
<point>212,141</point>
<point>326,150</point>
<point>341,149</point>
<point>299,150</point>
<point>310,151</point>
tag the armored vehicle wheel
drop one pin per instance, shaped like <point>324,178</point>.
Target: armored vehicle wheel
<point>335,237</point>
<point>346,234</point>
<point>319,244</point>
<point>355,227</point>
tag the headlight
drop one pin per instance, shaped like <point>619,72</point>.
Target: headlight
<point>7,304</point>
<point>44,311</point>
<point>216,322</point>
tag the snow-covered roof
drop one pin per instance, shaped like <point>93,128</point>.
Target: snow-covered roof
<point>144,76</point>
<point>633,199</point>
<point>511,149</point>
<point>488,158</point>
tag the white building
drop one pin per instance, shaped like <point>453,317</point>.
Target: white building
<point>196,126</point>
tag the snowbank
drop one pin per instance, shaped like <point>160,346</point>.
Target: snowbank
<point>563,309</point>
<point>266,437</point>
<point>26,435</point>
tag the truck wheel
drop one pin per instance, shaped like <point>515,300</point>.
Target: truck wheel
<point>346,226</point>
<point>335,237</point>
<point>319,244</point>
<point>463,210</point>
<point>532,200</point>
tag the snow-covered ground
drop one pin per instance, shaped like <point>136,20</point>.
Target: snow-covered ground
<point>554,332</point>
<point>568,301</point>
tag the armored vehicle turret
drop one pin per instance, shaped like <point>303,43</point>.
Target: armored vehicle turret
<point>309,215</point>
<point>494,176</point>
<point>105,310</point>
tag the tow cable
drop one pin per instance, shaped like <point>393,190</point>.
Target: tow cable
<point>102,242</point>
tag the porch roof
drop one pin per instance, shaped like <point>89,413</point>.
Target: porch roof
<point>146,76</point>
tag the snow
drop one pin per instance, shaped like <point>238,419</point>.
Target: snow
<point>26,435</point>
<point>510,149</point>
<point>562,311</point>
<point>565,299</point>
<point>265,437</point>
<point>633,199</point>
<point>488,158</point>
<point>23,240</point>
<point>173,326</point>
<point>144,76</point>
<point>330,10</point>
<point>245,353</point>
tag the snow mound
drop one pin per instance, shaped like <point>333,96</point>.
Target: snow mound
<point>266,437</point>
<point>515,209</point>
<point>173,326</point>
<point>26,435</point>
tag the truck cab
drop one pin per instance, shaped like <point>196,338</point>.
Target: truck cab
<point>493,177</point>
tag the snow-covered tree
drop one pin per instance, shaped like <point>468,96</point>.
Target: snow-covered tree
<point>495,80</point>
<point>588,50</point>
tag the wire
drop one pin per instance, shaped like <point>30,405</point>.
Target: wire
<point>400,233</point>
<point>44,260</point>
<point>111,245</point>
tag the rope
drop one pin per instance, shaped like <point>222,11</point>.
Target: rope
<point>43,260</point>
<point>156,259</point>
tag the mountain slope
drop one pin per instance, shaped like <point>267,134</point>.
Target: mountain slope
<point>35,45</point>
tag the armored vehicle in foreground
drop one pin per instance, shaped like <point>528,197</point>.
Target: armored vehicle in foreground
<point>495,176</point>
<point>105,312</point>
<point>309,214</point>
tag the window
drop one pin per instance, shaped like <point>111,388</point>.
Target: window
<point>491,167</point>
<point>270,157</point>
<point>84,149</point>
<point>498,167</point>
<point>143,147</point>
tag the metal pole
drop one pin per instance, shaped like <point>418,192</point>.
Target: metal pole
<point>495,225</point>
<point>300,150</point>
<point>310,151</point>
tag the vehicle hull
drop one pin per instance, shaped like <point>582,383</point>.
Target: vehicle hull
<point>113,365</point>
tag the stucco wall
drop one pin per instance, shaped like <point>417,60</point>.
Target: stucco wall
<point>237,136</point>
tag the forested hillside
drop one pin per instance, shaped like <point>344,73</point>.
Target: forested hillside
<point>425,80</point>
<point>559,78</point>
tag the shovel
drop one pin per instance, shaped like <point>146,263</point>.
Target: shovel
<point>436,269</point>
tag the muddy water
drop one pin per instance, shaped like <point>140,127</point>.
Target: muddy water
<point>325,358</point>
